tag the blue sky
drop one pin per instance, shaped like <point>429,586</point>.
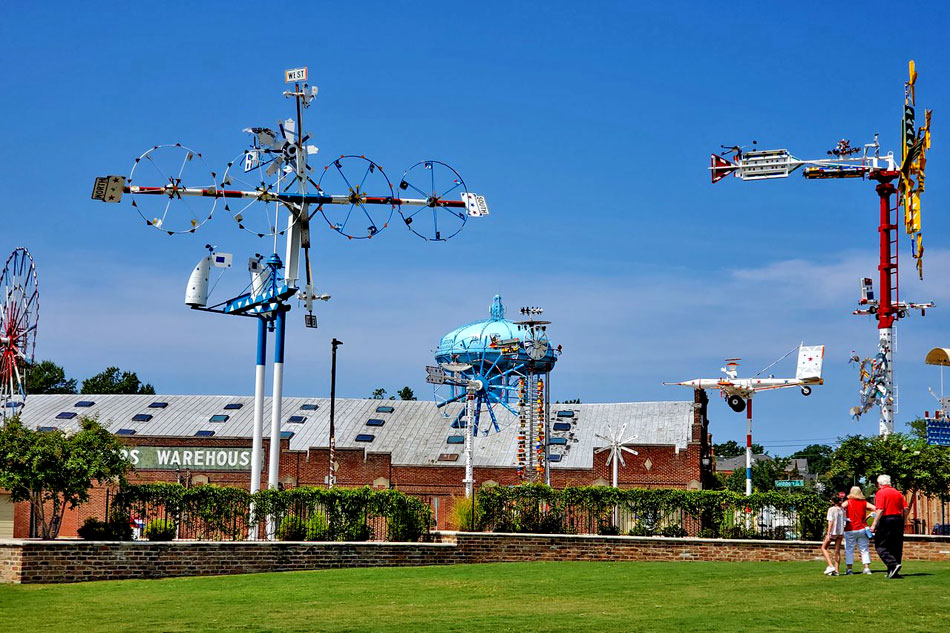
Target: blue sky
<point>587,125</point>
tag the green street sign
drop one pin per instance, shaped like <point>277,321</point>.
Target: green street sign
<point>790,483</point>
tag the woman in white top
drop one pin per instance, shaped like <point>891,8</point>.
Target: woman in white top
<point>834,534</point>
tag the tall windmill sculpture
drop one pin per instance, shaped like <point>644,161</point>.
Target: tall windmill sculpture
<point>173,192</point>
<point>616,445</point>
<point>845,161</point>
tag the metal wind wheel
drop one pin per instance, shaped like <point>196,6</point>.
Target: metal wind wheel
<point>19,314</point>
<point>172,188</point>
<point>497,389</point>
<point>615,444</point>
<point>369,199</point>
<point>440,216</point>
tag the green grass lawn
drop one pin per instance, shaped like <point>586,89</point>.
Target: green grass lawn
<point>519,597</point>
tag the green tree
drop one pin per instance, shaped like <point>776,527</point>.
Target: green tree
<point>379,394</point>
<point>573,401</point>
<point>54,470</point>
<point>733,449</point>
<point>914,465</point>
<point>48,377</point>
<point>113,380</point>
<point>764,474</point>
<point>818,456</point>
<point>918,428</point>
<point>406,394</point>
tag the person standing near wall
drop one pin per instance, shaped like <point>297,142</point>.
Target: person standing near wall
<point>888,525</point>
<point>834,535</point>
<point>856,509</point>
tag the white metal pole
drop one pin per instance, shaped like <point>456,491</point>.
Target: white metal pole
<point>469,440</point>
<point>887,404</point>
<point>547,428</point>
<point>616,458</point>
<point>748,448</point>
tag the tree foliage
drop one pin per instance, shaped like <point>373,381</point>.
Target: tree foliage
<point>913,465</point>
<point>733,449</point>
<point>818,456</point>
<point>48,377</point>
<point>54,470</point>
<point>379,393</point>
<point>764,474</point>
<point>406,394</point>
<point>113,380</point>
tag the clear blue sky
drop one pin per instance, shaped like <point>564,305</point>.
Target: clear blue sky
<point>587,125</point>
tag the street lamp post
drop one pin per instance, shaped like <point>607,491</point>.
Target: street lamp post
<point>331,476</point>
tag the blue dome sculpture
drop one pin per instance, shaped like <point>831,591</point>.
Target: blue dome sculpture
<point>495,349</point>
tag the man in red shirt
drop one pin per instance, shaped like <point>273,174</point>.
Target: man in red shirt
<point>888,525</point>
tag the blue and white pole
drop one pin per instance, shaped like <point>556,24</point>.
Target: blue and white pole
<point>258,430</point>
<point>274,463</point>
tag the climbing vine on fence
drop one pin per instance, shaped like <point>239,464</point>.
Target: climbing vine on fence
<point>668,512</point>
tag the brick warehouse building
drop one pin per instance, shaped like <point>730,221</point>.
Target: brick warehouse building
<point>408,445</point>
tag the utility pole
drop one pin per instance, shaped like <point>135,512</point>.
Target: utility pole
<point>331,476</point>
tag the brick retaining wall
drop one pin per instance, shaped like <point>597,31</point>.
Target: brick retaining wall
<point>30,561</point>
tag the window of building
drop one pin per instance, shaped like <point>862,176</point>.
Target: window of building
<point>565,414</point>
<point>84,403</point>
<point>125,432</point>
<point>219,417</point>
<point>557,441</point>
<point>455,439</point>
<point>66,415</point>
<point>562,426</point>
<point>297,419</point>
<point>286,435</point>
<point>385,409</point>
<point>365,437</point>
<point>375,422</point>
<point>459,424</point>
<point>231,406</point>
<point>309,407</point>
<point>204,433</point>
<point>46,429</point>
<point>141,417</point>
<point>554,458</point>
<point>449,457</point>
<point>158,405</point>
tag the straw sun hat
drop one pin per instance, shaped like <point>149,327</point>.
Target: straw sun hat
<point>855,493</point>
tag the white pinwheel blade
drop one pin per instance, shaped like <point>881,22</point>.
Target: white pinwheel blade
<point>289,129</point>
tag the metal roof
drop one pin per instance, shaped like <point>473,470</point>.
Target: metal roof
<point>414,433</point>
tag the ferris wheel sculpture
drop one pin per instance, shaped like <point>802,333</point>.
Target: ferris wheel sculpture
<point>19,315</point>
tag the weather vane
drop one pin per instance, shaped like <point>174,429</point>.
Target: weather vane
<point>174,191</point>
<point>867,162</point>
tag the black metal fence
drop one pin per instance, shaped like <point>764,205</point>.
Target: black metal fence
<point>673,513</point>
<point>210,513</point>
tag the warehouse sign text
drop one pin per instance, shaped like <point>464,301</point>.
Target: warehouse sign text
<point>193,457</point>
